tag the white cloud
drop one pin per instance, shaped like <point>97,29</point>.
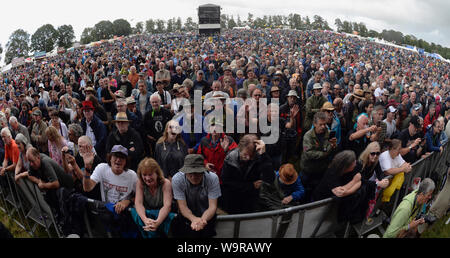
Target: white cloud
<point>408,16</point>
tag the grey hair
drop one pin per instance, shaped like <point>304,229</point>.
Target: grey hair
<point>76,128</point>
<point>6,131</point>
<point>319,116</point>
<point>426,186</point>
<point>12,119</point>
<point>156,95</point>
<point>86,139</point>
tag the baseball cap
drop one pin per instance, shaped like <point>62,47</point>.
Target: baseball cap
<point>416,107</point>
<point>392,109</point>
<point>119,149</point>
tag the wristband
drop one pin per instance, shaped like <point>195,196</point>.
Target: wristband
<point>88,177</point>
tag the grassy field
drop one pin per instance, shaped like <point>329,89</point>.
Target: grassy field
<point>16,230</point>
<point>439,229</point>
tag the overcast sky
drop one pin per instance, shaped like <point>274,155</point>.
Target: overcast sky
<point>426,19</point>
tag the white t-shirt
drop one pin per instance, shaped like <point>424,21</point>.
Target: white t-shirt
<point>386,162</point>
<point>114,188</point>
<point>90,133</point>
<point>378,92</point>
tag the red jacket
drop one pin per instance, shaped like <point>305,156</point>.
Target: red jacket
<point>427,121</point>
<point>215,155</point>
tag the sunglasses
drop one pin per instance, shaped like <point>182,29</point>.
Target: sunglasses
<point>375,153</point>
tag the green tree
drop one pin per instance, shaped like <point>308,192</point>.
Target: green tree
<point>86,36</point>
<point>178,24</point>
<point>307,23</point>
<point>139,28</point>
<point>17,46</point>
<point>239,21</point>
<point>347,27</point>
<point>160,26</point>
<point>373,34</point>
<point>190,25</point>
<point>1,51</point>
<point>223,21</point>
<point>150,26</point>
<point>231,23</point>
<point>44,39</point>
<point>295,21</point>
<point>103,30</point>
<point>250,20</point>
<point>339,25</point>
<point>363,31</point>
<point>317,22</point>
<point>66,36</point>
<point>122,27</point>
<point>393,36</point>
<point>170,25</point>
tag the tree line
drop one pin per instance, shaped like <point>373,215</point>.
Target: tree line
<point>46,37</point>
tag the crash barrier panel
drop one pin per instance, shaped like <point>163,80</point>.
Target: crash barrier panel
<point>316,219</point>
<point>319,217</point>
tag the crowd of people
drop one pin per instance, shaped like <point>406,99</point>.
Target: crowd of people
<point>117,123</point>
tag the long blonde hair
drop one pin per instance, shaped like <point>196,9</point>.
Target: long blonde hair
<point>364,156</point>
<point>165,135</point>
<point>54,136</point>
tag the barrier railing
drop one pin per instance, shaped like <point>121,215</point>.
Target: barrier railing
<point>316,219</point>
<point>268,224</point>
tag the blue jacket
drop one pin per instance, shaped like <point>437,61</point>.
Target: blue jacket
<point>296,189</point>
<point>100,134</point>
<point>433,141</point>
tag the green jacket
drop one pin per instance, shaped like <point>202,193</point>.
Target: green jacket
<point>402,216</point>
<point>315,154</point>
<point>313,105</point>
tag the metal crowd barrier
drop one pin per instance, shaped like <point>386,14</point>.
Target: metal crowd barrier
<point>319,216</point>
<point>316,219</point>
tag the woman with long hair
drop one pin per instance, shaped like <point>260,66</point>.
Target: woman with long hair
<point>343,182</point>
<point>153,200</point>
<point>55,144</point>
<point>170,149</point>
<point>371,174</point>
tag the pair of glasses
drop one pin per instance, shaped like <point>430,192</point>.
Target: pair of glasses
<point>257,95</point>
<point>375,153</point>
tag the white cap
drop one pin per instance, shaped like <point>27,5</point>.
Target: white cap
<point>41,85</point>
<point>392,109</point>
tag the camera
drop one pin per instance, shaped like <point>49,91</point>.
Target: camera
<point>429,219</point>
